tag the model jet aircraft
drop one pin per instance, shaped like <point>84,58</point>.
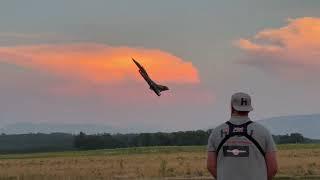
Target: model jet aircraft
<point>153,86</point>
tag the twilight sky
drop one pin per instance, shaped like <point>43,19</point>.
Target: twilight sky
<point>70,61</point>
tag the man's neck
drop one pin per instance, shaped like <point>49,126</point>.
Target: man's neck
<point>236,119</point>
<point>239,115</point>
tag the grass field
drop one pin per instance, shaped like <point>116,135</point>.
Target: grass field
<point>296,161</point>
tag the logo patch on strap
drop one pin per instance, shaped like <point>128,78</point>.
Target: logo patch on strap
<point>238,130</point>
<point>236,151</point>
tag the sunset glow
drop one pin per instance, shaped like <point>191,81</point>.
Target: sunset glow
<point>100,63</point>
<point>296,44</point>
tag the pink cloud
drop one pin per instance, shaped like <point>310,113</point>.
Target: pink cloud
<point>89,70</point>
<point>292,49</point>
<point>100,63</point>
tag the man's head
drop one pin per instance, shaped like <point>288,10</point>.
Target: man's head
<point>241,104</point>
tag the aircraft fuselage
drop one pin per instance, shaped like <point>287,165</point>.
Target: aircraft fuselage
<point>153,86</point>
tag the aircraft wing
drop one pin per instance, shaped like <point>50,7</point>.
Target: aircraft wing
<point>162,88</point>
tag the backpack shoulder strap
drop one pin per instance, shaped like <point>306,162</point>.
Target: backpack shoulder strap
<point>229,135</point>
<point>255,142</point>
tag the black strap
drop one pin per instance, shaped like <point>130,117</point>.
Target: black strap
<point>244,133</point>
<point>255,142</point>
<point>222,142</point>
<point>231,133</point>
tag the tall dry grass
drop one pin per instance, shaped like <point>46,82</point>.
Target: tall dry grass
<point>173,164</point>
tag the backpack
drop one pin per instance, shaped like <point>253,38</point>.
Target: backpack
<point>239,130</point>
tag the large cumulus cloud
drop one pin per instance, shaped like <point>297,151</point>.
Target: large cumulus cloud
<point>289,50</point>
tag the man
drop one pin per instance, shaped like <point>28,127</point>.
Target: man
<point>241,149</point>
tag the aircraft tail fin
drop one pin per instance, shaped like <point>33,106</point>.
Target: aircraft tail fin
<point>162,88</point>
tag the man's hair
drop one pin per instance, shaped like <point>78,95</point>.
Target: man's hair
<point>241,113</point>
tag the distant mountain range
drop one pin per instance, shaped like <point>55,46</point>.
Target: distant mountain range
<point>27,127</point>
<point>307,125</point>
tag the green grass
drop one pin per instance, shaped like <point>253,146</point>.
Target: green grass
<point>110,152</point>
<point>138,150</point>
<point>298,146</point>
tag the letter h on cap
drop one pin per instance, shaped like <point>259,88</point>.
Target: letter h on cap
<point>244,101</point>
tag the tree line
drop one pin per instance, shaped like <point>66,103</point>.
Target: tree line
<point>39,142</point>
<point>183,138</point>
<point>36,142</point>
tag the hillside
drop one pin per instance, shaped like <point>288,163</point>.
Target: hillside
<point>308,125</point>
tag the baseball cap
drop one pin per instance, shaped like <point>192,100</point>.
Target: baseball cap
<point>241,102</point>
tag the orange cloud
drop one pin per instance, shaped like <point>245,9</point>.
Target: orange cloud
<point>101,64</point>
<point>289,49</point>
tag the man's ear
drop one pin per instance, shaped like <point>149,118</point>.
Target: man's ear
<point>232,109</point>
